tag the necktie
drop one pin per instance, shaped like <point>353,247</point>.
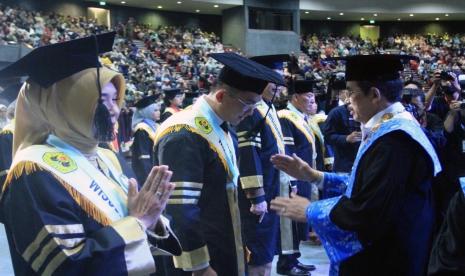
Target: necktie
<point>224,126</point>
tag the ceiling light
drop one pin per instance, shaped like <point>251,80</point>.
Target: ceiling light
<point>375,14</point>
<point>341,13</point>
<point>179,2</point>
<point>372,21</point>
<point>307,12</point>
<point>123,2</point>
<point>197,10</point>
<point>446,14</point>
<point>437,18</point>
<point>362,18</point>
<point>215,6</point>
<point>102,3</point>
<point>398,19</point>
<point>329,18</point>
<point>411,14</point>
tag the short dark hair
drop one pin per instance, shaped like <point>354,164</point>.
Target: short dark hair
<point>391,90</point>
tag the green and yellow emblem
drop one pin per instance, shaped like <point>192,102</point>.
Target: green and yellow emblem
<point>203,124</point>
<point>60,161</point>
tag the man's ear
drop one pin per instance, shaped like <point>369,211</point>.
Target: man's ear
<point>219,95</point>
<point>375,93</point>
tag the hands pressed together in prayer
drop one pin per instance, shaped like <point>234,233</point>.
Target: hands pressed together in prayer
<point>147,204</point>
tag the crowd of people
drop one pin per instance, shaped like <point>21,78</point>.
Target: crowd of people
<point>337,118</point>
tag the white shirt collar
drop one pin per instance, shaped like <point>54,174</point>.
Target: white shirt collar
<point>291,107</point>
<point>204,103</point>
<point>393,108</point>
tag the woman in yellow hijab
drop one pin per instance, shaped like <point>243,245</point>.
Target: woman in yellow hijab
<point>66,205</point>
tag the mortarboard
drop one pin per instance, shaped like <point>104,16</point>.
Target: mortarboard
<point>47,65</point>
<point>302,86</point>
<point>274,62</point>
<point>245,74</point>
<point>172,92</point>
<point>375,67</point>
<point>145,101</point>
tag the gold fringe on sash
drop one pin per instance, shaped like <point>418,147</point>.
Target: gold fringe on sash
<point>28,167</point>
<point>177,128</point>
<point>6,131</point>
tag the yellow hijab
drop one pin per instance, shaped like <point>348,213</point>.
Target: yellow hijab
<point>66,109</point>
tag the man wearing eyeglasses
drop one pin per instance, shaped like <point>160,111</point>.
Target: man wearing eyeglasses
<point>201,151</point>
<point>260,136</point>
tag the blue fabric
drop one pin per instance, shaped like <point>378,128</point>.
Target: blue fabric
<point>340,244</point>
<point>462,184</point>
<point>335,184</point>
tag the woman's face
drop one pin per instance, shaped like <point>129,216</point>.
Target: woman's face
<point>156,113</point>
<point>110,100</point>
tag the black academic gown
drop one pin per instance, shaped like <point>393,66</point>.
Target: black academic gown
<point>390,209</point>
<point>142,155</point>
<point>255,151</point>
<point>199,210</point>
<point>6,146</point>
<point>448,254</point>
<point>302,147</point>
<point>337,126</point>
<point>50,233</point>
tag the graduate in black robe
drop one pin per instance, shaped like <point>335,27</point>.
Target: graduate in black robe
<point>144,125</point>
<point>448,254</point>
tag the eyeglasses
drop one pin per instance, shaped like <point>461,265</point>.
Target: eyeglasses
<point>245,104</point>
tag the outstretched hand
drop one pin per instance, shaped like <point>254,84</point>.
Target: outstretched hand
<point>294,207</point>
<point>295,167</point>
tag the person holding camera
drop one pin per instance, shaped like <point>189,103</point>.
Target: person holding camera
<point>444,92</point>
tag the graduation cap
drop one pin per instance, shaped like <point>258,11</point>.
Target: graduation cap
<point>49,64</point>
<point>302,86</point>
<point>275,62</point>
<point>146,101</point>
<point>245,74</point>
<point>170,93</point>
<point>375,67</point>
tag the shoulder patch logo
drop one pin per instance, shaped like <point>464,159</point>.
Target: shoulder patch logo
<point>59,161</point>
<point>203,124</point>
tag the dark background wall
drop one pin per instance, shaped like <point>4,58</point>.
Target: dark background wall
<point>386,28</point>
<point>210,23</point>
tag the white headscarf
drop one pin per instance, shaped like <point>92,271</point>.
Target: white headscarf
<point>145,115</point>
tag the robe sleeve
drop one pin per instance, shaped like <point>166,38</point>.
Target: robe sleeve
<point>250,166</point>
<point>53,235</point>
<point>188,175</point>
<point>288,130</point>
<point>142,149</point>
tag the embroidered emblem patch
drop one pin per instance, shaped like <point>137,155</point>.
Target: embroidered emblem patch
<point>60,161</point>
<point>203,124</point>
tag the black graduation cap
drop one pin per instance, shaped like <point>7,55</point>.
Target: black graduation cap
<point>302,86</point>
<point>145,101</point>
<point>48,64</point>
<point>10,93</point>
<point>275,62</point>
<point>170,93</point>
<point>245,74</point>
<point>375,67</point>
